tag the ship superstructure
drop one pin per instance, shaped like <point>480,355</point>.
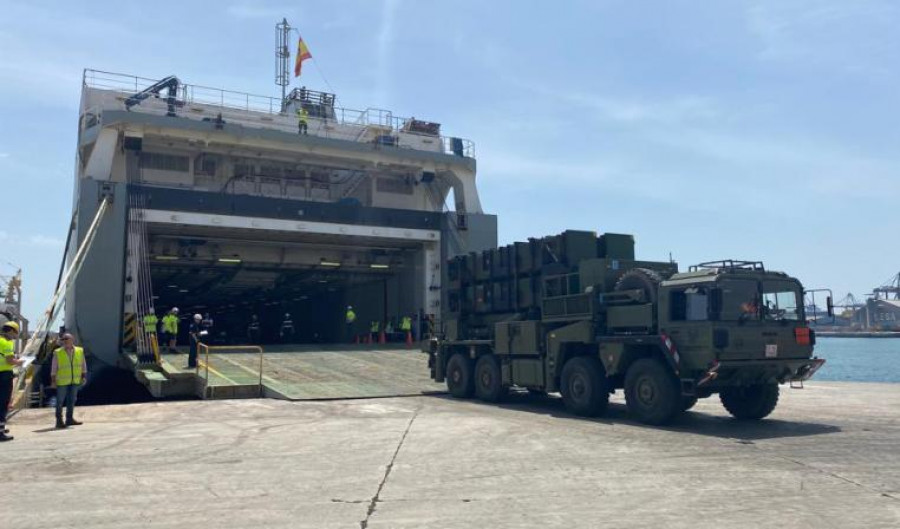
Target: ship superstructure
<point>221,205</point>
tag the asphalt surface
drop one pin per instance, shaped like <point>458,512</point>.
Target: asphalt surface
<point>828,457</point>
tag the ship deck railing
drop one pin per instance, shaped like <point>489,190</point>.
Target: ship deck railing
<point>204,103</point>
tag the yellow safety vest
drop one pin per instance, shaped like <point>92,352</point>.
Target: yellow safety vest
<point>302,115</point>
<point>406,324</point>
<point>7,349</point>
<point>351,316</point>
<point>68,369</point>
<point>150,321</point>
<point>374,326</point>
<point>170,323</point>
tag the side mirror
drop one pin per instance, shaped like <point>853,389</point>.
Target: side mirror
<point>830,304</point>
<point>715,304</point>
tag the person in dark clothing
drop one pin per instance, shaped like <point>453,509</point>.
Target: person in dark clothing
<point>253,330</point>
<point>196,333</point>
<point>287,330</point>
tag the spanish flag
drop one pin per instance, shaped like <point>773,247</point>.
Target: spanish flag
<point>302,55</point>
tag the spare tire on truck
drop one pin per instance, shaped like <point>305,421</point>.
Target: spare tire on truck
<point>640,279</point>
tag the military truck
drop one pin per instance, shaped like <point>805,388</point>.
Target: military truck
<point>577,314</point>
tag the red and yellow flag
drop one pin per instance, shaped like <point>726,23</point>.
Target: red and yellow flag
<point>302,55</point>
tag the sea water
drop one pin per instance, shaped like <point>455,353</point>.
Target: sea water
<point>859,359</point>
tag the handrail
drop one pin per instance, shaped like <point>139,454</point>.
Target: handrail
<point>235,105</point>
<point>206,352</point>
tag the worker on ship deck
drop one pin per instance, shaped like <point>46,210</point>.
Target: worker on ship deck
<point>196,333</point>
<point>349,319</point>
<point>68,373</point>
<point>170,329</point>
<point>406,328</point>
<point>253,329</point>
<point>302,120</point>
<point>374,328</point>
<point>286,333</point>
<point>8,361</point>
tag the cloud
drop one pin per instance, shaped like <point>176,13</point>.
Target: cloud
<point>4,155</point>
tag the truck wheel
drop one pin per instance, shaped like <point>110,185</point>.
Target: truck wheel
<point>583,386</point>
<point>651,392</point>
<point>688,403</point>
<point>750,402</point>
<point>459,376</point>
<point>488,381</point>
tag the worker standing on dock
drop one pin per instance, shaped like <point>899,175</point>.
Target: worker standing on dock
<point>253,330</point>
<point>196,334</point>
<point>8,360</point>
<point>302,120</point>
<point>67,373</point>
<point>170,328</point>
<point>286,333</point>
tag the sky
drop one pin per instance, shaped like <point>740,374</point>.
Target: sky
<point>763,130</point>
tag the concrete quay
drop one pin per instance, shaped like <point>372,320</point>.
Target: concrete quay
<point>828,457</point>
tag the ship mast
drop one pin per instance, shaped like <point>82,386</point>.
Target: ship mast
<point>282,56</point>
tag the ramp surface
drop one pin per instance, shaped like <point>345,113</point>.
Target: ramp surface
<point>296,372</point>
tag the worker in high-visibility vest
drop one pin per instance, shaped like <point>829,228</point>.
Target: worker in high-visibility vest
<point>349,319</point>
<point>8,361</point>
<point>302,120</point>
<point>170,328</point>
<point>374,327</point>
<point>406,326</point>
<point>150,322</point>
<point>67,374</point>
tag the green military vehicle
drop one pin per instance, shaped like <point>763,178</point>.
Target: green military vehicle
<point>577,314</point>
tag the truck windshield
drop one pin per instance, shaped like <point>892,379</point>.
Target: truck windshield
<point>744,300</point>
<point>740,300</point>
<point>780,301</point>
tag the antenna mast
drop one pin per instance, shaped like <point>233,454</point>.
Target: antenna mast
<point>282,56</point>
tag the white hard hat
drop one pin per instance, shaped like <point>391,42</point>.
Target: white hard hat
<point>175,310</point>
<point>349,307</point>
<point>198,317</point>
<point>287,314</point>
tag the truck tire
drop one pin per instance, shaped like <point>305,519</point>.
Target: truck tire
<point>750,403</point>
<point>651,392</point>
<point>459,376</point>
<point>640,279</point>
<point>488,380</point>
<point>583,386</point>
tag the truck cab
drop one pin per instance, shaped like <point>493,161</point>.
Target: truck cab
<point>736,324</point>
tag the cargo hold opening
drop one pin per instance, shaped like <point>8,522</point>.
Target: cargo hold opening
<point>232,274</point>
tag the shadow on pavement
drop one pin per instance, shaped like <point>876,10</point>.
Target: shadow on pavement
<point>691,422</point>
